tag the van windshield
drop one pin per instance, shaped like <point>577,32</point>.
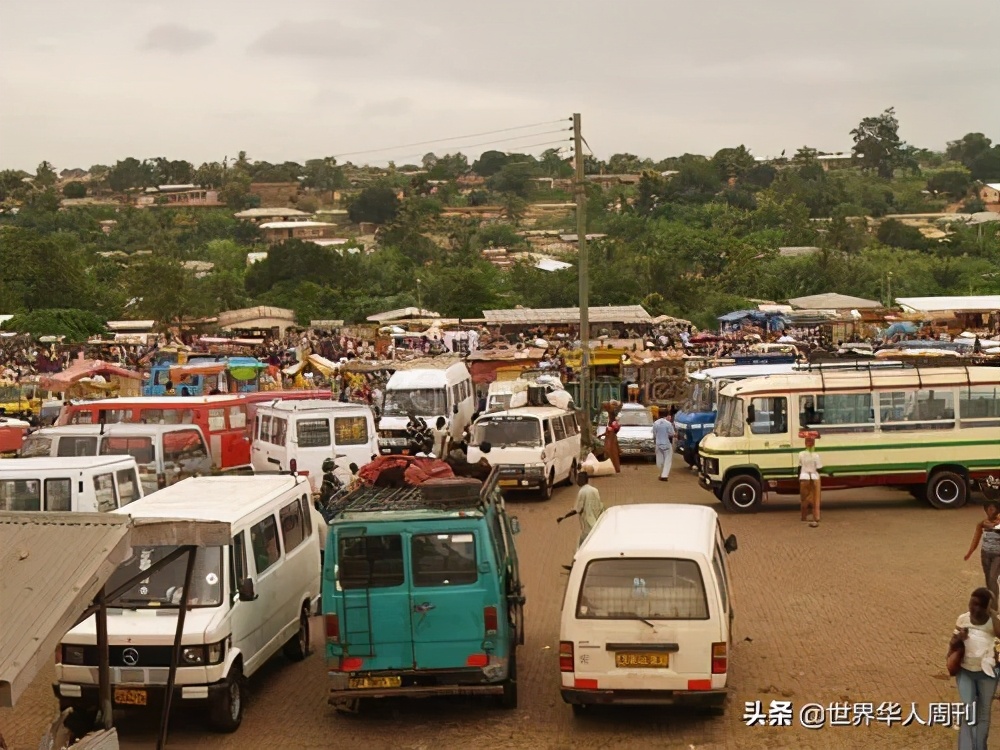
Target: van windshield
<point>635,418</point>
<point>426,402</point>
<point>36,446</point>
<point>659,588</point>
<point>507,431</point>
<point>165,587</point>
<point>729,422</point>
<point>701,397</point>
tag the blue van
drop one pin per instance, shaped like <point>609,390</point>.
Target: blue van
<point>421,593</point>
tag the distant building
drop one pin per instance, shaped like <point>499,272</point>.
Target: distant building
<point>261,215</point>
<point>990,193</point>
<point>795,252</point>
<point>278,231</point>
<point>178,196</point>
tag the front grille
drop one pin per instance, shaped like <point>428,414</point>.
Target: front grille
<point>148,656</point>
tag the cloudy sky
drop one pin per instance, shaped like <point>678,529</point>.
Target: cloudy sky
<point>84,83</point>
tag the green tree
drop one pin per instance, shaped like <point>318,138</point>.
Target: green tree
<point>324,174</point>
<point>969,148</point>
<point>377,204</point>
<point>733,163</point>
<point>74,190</point>
<point>236,191</point>
<point>489,163</point>
<point>75,325</point>
<point>897,234</point>
<point>45,175</point>
<point>130,173</point>
<point>209,175</point>
<point>554,164</point>
<point>953,182</point>
<point>624,164</point>
<point>986,166</point>
<point>163,288</point>
<point>877,145</point>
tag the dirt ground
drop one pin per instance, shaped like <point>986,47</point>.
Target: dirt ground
<point>858,610</point>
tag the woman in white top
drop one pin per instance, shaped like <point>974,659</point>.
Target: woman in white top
<point>810,466</point>
<point>977,682</point>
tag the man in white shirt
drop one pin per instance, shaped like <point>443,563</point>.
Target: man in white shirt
<point>810,468</point>
<point>663,435</point>
<point>588,506</point>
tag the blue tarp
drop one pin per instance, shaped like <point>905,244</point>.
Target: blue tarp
<point>904,326</point>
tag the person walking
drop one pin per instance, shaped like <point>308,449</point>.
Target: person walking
<point>988,531</point>
<point>588,506</point>
<point>810,485</point>
<point>976,678</point>
<point>663,435</point>
<point>441,438</point>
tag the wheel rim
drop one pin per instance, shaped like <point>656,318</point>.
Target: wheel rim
<point>947,491</point>
<point>304,634</point>
<point>744,495</point>
<point>234,700</point>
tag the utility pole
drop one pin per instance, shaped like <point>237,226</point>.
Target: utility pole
<point>582,265</point>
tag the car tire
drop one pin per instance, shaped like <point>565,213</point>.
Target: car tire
<point>547,485</point>
<point>579,709</point>
<point>743,494</point>
<point>946,489</point>
<point>690,457</point>
<point>508,700</point>
<point>574,472</point>
<point>297,647</point>
<point>225,712</point>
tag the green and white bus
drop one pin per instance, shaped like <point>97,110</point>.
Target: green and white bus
<point>933,431</point>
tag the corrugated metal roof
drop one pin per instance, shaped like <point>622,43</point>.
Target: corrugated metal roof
<point>405,312</point>
<point>567,315</point>
<point>54,564</point>
<point>252,314</point>
<point>832,301</point>
<point>974,303</point>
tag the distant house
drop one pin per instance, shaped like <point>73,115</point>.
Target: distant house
<point>278,231</point>
<point>795,252</point>
<point>608,180</point>
<point>990,193</point>
<point>261,215</point>
<point>178,196</point>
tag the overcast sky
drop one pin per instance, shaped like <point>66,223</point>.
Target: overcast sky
<point>84,83</point>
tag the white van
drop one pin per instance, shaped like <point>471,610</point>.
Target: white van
<point>429,390</point>
<point>307,432</point>
<point>248,600</point>
<point>535,447</point>
<point>87,484</point>
<point>165,453</point>
<point>647,616</point>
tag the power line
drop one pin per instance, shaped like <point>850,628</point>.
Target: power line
<point>527,146</point>
<point>454,138</point>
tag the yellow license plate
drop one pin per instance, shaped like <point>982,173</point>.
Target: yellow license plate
<point>128,697</point>
<point>374,682</point>
<point>507,483</point>
<point>633,660</point>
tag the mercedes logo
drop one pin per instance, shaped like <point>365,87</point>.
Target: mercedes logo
<point>130,656</point>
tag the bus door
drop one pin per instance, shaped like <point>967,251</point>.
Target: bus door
<point>770,446</point>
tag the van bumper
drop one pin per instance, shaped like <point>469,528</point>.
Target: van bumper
<point>86,696</point>
<point>416,685</point>
<point>702,698</point>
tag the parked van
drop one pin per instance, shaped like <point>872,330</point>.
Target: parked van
<point>422,597</point>
<point>647,615</point>
<point>307,432</point>
<point>166,454</point>
<point>429,390</point>
<point>248,600</point>
<point>535,447</point>
<point>88,484</point>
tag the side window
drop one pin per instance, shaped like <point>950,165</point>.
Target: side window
<point>569,424</point>
<point>256,428</point>
<point>720,575</point>
<point>350,430</point>
<point>770,416</point>
<point>140,448</point>
<point>313,433</point>
<point>266,547</point>
<point>128,485</point>
<point>306,515</point>
<point>186,448</point>
<point>279,430</point>
<point>20,494</point>
<point>36,446</point>
<point>559,428</point>
<point>76,446</point>
<point>237,417</point>
<point>216,420</point>
<point>237,564</point>
<point>443,559</point>
<point>104,489</point>
<point>58,494</point>
<point>292,528</point>
<point>370,561</point>
<point>265,428</point>
<point>547,430</point>
<point>82,417</point>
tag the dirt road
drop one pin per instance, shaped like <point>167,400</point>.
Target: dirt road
<point>858,610</point>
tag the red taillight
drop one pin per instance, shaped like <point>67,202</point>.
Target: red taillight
<point>490,620</point>
<point>720,658</point>
<point>477,660</point>
<point>332,629</point>
<point>565,656</point>
<point>293,465</point>
<point>351,663</point>
<point>699,684</point>
<point>585,684</point>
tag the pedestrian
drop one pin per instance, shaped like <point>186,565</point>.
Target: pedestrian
<point>810,486</point>
<point>663,436</point>
<point>588,506</point>
<point>441,437</point>
<point>976,679</point>
<point>988,531</point>
<point>611,449</point>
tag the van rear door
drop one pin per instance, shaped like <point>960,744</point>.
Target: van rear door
<point>650,619</point>
<point>451,599</point>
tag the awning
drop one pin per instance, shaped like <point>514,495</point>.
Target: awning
<point>180,373</point>
<point>321,364</point>
<point>86,368</point>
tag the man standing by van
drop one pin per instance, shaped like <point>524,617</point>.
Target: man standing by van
<point>663,435</point>
<point>588,506</point>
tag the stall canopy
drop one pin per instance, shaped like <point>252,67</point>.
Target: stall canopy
<point>85,368</point>
<point>321,364</point>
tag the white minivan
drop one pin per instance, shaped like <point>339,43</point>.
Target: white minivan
<point>535,447</point>
<point>647,615</point>
<point>428,390</point>
<point>309,431</point>
<point>87,484</point>
<point>248,600</point>
<point>165,453</point>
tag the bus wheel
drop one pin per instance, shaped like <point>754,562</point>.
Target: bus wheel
<point>743,494</point>
<point>690,457</point>
<point>946,489</point>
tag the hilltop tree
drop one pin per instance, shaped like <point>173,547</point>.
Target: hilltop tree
<point>130,173</point>
<point>969,148</point>
<point>733,163</point>
<point>377,204</point>
<point>45,175</point>
<point>952,182</point>
<point>489,163</point>
<point>877,145</point>
<point>324,174</point>
<point>74,190</point>
<point>209,175</point>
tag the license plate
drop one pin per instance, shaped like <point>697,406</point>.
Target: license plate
<point>507,483</point>
<point>629,451</point>
<point>633,660</point>
<point>374,682</point>
<point>128,697</point>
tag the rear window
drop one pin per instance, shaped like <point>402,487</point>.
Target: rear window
<point>313,433</point>
<point>36,446</point>
<point>167,416</point>
<point>642,588</point>
<point>104,489</point>
<point>370,561</point>
<point>128,485</point>
<point>76,446</point>
<point>351,430</point>
<point>444,559</point>
<point>140,448</point>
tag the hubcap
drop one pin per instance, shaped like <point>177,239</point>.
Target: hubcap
<point>744,495</point>
<point>947,491</point>
<point>234,700</point>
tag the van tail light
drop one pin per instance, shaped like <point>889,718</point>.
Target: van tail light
<point>351,663</point>
<point>720,658</point>
<point>332,629</point>
<point>490,620</point>
<point>565,656</point>
<point>293,466</point>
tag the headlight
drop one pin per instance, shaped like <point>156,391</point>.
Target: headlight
<point>193,655</point>
<point>72,655</point>
<point>216,651</point>
<point>200,655</point>
<point>534,469</point>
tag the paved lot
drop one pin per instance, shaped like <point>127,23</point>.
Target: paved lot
<point>858,610</point>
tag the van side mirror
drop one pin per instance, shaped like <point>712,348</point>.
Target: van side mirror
<point>751,413</point>
<point>246,591</point>
<point>730,544</point>
<point>515,525</point>
<point>454,409</point>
